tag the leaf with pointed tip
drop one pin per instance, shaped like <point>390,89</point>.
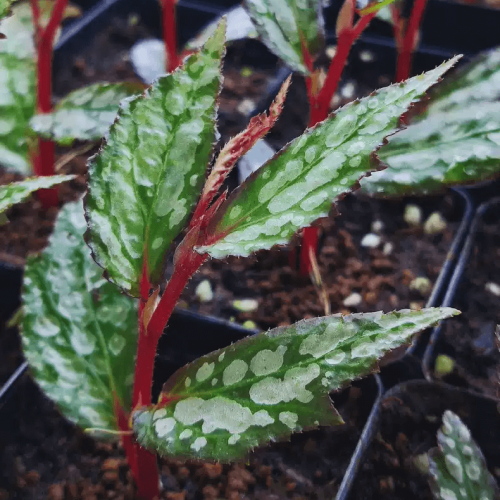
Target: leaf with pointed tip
<point>458,469</point>
<point>448,148</point>
<point>5,8</point>
<point>288,26</point>
<point>17,106</point>
<point>477,81</point>
<point>17,192</point>
<point>269,385</point>
<point>301,182</point>
<point>79,332</point>
<point>85,114</point>
<point>375,6</point>
<point>145,180</point>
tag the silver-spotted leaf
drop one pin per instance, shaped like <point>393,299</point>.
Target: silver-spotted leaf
<point>17,192</point>
<point>17,106</point>
<point>79,332</point>
<point>147,177</point>
<point>269,385</point>
<point>302,181</point>
<point>85,114</point>
<point>478,81</point>
<point>289,26</point>
<point>447,148</point>
<point>458,469</point>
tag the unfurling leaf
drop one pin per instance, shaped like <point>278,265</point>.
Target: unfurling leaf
<point>269,385</point>
<point>289,28</point>
<point>301,182</point>
<point>145,181</point>
<point>79,332</point>
<point>448,148</point>
<point>240,144</point>
<point>17,106</point>
<point>85,114</point>
<point>17,192</point>
<point>478,81</point>
<point>457,467</point>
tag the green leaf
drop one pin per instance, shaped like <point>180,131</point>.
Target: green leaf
<point>79,332</point>
<point>286,25</point>
<point>17,192</point>
<point>299,184</point>
<point>476,82</point>
<point>17,106</point>
<point>375,6</point>
<point>85,114</point>
<point>269,385</point>
<point>458,469</point>
<point>452,147</point>
<point>146,179</point>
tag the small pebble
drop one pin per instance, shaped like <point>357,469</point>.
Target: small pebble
<point>413,215</point>
<point>353,300</point>
<point>204,292</point>
<point>246,106</point>
<point>377,226</point>
<point>370,240</point>
<point>422,285</point>
<point>366,56</point>
<point>434,224</point>
<point>251,325</point>
<point>421,462</point>
<point>493,288</point>
<point>388,248</point>
<point>347,90</point>
<point>444,365</point>
<point>246,305</point>
<point>330,51</point>
<point>415,306</point>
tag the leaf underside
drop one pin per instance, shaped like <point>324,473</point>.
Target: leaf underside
<point>79,332</point>
<point>17,192</point>
<point>458,469</point>
<point>286,26</point>
<point>447,148</point>
<point>300,183</point>
<point>85,114</point>
<point>269,385</point>
<point>145,181</point>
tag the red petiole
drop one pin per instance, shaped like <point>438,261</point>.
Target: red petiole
<point>44,158</point>
<point>319,103</point>
<point>172,58</point>
<point>407,42</point>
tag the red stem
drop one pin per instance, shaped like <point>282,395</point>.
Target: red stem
<point>170,34</point>
<point>44,38</point>
<point>319,108</point>
<point>405,52</point>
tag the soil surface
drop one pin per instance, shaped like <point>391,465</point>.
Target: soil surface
<point>43,456</point>
<point>470,338</point>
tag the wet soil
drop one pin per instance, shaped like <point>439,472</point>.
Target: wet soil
<point>469,339</point>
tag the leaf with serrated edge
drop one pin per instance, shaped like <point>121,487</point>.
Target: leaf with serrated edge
<point>17,106</point>
<point>477,81</point>
<point>269,385</point>
<point>85,114</point>
<point>79,332</point>
<point>459,146</point>
<point>301,182</point>
<point>286,25</point>
<point>458,469</point>
<point>17,192</point>
<point>145,180</point>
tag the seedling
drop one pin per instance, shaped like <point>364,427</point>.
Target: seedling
<point>26,66</point>
<point>149,188</point>
<point>458,469</point>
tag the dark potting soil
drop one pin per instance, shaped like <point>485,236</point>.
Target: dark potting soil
<point>409,421</point>
<point>470,338</point>
<point>43,456</point>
